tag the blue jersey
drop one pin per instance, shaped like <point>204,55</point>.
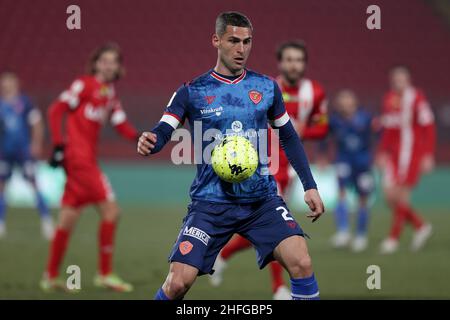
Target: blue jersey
<point>15,117</point>
<point>353,138</point>
<point>241,105</point>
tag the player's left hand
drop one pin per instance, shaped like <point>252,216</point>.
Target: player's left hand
<point>315,204</point>
<point>146,143</point>
<point>427,164</point>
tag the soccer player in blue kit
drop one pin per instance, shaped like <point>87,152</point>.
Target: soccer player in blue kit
<point>233,97</point>
<point>21,138</point>
<point>351,128</point>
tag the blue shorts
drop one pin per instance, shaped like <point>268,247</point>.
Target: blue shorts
<point>23,160</point>
<point>360,178</point>
<point>208,226</point>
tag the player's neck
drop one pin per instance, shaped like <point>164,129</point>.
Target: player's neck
<point>100,78</point>
<point>291,83</point>
<point>220,68</point>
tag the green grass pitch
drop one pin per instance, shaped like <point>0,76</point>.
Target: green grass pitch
<point>145,237</point>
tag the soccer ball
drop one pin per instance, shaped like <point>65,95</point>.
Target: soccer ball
<point>234,159</point>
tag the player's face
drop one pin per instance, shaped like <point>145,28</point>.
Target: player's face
<point>108,66</point>
<point>9,86</point>
<point>400,80</point>
<point>292,65</point>
<point>346,103</point>
<point>234,48</point>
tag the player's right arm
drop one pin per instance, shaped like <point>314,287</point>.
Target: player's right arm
<point>153,141</point>
<point>382,155</point>
<point>68,100</point>
<point>36,124</point>
<point>317,125</point>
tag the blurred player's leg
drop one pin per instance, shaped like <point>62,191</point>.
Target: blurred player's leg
<point>47,228</point>
<point>5,174</point>
<point>279,290</point>
<point>399,199</point>
<point>422,230</point>
<point>342,237</point>
<point>67,220</point>
<point>360,242</point>
<point>236,244</point>
<point>2,211</point>
<point>293,254</point>
<point>109,213</point>
<point>390,244</point>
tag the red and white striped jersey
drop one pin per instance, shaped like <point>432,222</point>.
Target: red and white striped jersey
<point>306,103</point>
<point>408,128</point>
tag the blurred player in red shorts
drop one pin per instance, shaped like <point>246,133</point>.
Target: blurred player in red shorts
<point>406,151</point>
<point>307,107</point>
<point>89,103</point>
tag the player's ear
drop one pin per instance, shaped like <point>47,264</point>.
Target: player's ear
<point>215,41</point>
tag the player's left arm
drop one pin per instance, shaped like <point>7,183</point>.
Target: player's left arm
<point>36,123</point>
<point>295,152</point>
<point>317,126</point>
<point>121,124</point>
<point>425,119</point>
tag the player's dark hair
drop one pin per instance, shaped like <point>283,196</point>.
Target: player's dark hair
<point>295,44</point>
<point>231,18</point>
<point>8,73</point>
<point>99,51</point>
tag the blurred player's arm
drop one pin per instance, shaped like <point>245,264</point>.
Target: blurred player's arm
<point>317,125</point>
<point>385,136</point>
<point>425,118</point>
<point>121,124</point>
<point>295,152</point>
<point>36,124</point>
<point>154,140</point>
<point>68,100</point>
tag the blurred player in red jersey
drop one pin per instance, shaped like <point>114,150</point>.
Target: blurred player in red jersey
<point>306,105</point>
<point>406,151</point>
<point>88,103</point>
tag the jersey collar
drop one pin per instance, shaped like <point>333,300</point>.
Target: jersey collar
<point>218,77</point>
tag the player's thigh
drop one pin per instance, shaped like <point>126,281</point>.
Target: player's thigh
<point>109,210</point>
<point>293,254</point>
<point>68,217</point>
<point>364,183</point>
<point>270,224</point>
<point>203,234</point>
<point>28,167</point>
<point>344,175</point>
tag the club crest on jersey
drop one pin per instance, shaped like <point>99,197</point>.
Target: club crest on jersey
<point>210,99</point>
<point>255,96</point>
<point>197,234</point>
<point>185,247</point>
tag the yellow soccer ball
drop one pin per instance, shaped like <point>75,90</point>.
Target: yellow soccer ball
<point>234,159</point>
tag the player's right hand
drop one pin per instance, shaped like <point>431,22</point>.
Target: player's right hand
<point>57,157</point>
<point>146,143</point>
<point>315,204</point>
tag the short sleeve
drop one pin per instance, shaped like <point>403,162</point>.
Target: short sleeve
<point>75,93</point>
